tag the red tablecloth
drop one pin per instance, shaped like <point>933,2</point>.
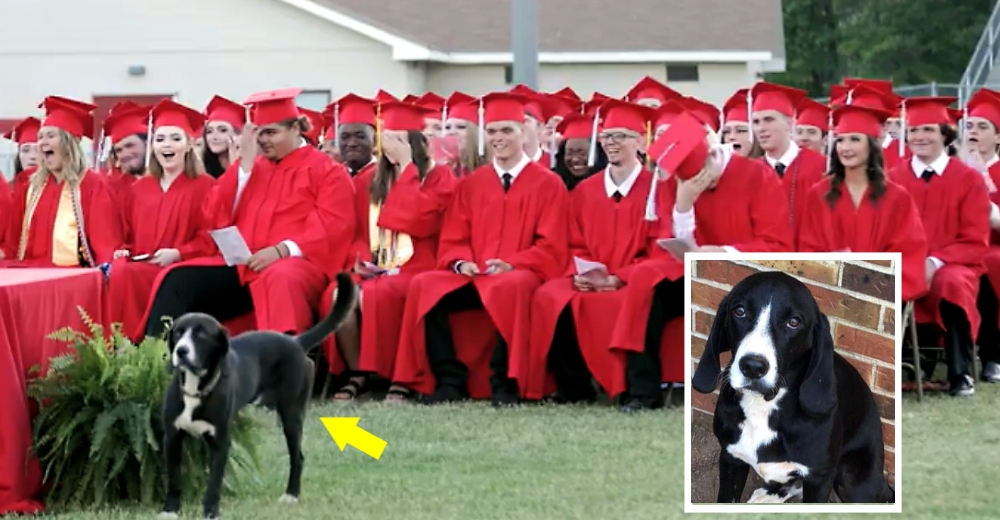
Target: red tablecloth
<point>33,304</point>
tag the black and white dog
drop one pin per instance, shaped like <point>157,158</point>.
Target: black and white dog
<point>790,408</point>
<point>216,375</point>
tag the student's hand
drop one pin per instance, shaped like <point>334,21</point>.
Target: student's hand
<point>611,283</point>
<point>689,190</point>
<point>930,270</point>
<point>468,269</point>
<point>582,284</point>
<point>165,257</point>
<point>263,258</point>
<point>497,266</point>
<point>121,253</point>
<point>248,146</point>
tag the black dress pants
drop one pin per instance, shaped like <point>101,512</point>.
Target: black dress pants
<point>213,290</point>
<point>448,370</point>
<point>565,361</point>
<point>957,341</point>
<point>989,328</point>
<point>643,368</point>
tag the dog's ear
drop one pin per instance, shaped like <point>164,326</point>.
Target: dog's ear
<point>222,339</point>
<point>818,392</point>
<point>706,377</point>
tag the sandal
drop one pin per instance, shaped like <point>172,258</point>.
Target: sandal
<point>349,391</point>
<point>398,394</point>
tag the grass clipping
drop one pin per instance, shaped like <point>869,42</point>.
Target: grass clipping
<point>98,433</point>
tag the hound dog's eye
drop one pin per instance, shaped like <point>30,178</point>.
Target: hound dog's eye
<point>794,322</point>
<point>739,311</point>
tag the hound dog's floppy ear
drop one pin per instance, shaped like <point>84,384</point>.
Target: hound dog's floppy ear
<point>706,377</point>
<point>817,394</point>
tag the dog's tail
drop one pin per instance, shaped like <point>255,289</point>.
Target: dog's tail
<point>342,308</point>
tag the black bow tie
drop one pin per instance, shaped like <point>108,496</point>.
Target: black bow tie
<point>780,168</point>
<point>617,196</point>
<point>926,176</point>
<point>507,180</point>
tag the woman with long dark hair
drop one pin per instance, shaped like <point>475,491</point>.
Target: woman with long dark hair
<point>857,209</point>
<point>574,150</point>
<point>224,120</point>
<point>400,206</point>
<point>25,136</point>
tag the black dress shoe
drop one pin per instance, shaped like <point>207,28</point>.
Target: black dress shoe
<point>504,397</point>
<point>962,386</point>
<point>639,404</point>
<point>991,372</point>
<point>446,394</point>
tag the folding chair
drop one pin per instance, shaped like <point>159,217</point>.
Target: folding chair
<point>910,322</point>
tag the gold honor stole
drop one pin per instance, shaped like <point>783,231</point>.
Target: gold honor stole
<point>69,247</point>
<point>390,249</point>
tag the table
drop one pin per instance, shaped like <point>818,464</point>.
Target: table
<point>34,303</point>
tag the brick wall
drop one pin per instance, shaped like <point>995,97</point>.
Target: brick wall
<point>858,297</point>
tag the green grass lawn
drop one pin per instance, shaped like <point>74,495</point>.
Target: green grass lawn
<point>475,463</point>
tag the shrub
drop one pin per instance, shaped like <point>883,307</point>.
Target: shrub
<point>98,433</point>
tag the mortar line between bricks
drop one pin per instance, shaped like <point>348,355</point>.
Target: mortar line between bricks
<point>873,267</point>
<point>855,355</point>
<point>713,283</point>
<point>881,317</point>
<point>840,274</point>
<point>834,319</point>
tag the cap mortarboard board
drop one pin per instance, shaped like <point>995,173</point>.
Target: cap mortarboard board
<point>682,149</point>
<point>667,112</point>
<point>226,110</point>
<point>618,114</point>
<point>879,85</point>
<point>771,96</point>
<point>649,88</point>
<point>172,113</point>
<point>25,131</point>
<point>74,117</point>
<point>575,126</point>
<point>274,106</point>
<point>123,106</point>
<point>125,122</point>
<point>316,123</point>
<point>735,108</point>
<point>857,119</point>
<point>559,106</point>
<point>704,112</point>
<point>352,109</point>
<point>985,103</point>
<point>956,115</point>
<point>460,105</point>
<point>598,99</point>
<point>928,110</point>
<point>430,101</point>
<point>531,100</point>
<point>568,93</point>
<point>410,98</point>
<point>812,113</point>
<point>503,106</point>
<point>402,117</point>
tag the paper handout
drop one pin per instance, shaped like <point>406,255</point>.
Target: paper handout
<point>585,267</point>
<point>677,246</point>
<point>232,246</point>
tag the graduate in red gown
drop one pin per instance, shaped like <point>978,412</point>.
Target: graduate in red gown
<point>572,316</point>
<point>982,120</point>
<point>857,209</point>
<point>65,215</point>
<point>165,223</point>
<point>773,111</point>
<point>294,209</point>
<point>811,125</point>
<point>433,106</point>
<point>6,212</point>
<point>720,201</point>
<point>224,120</point>
<point>894,149</point>
<point>736,123</point>
<point>503,236</point>
<point>460,147</point>
<point>354,123</point>
<point>955,208</point>
<point>25,136</point>
<point>534,126</point>
<point>400,206</point>
<point>127,129</point>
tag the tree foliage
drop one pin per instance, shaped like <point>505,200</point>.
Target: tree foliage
<point>907,41</point>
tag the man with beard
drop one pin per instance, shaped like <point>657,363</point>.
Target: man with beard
<point>354,123</point>
<point>126,130</point>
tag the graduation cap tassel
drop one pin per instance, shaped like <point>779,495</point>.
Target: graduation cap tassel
<point>592,155</point>
<point>829,141</point>
<point>482,129</point>
<point>149,140</point>
<point>651,201</point>
<point>378,129</point>
<point>649,143</point>
<point>750,113</point>
<point>902,129</point>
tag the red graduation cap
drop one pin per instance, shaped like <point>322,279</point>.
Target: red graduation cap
<point>275,106</point>
<point>532,102</point>
<point>956,115</point>
<point>856,119</point>
<point>928,110</point>
<point>559,106</point>
<point>431,102</point>
<point>460,105</point>
<point>575,126</point>
<point>316,123</point>
<point>812,113</point>
<point>598,99</point>
<point>735,108</point>
<point>25,131</point>
<point>682,150</point>
<point>403,117</point>
<point>503,106</point>
<point>985,103</point>
<point>384,97</point>
<point>350,110</point>
<point>771,96</point>
<point>410,98</point>
<point>74,117</point>
<point>226,110</point>
<point>880,85</point>
<point>125,122</point>
<point>123,106</point>
<point>649,88</point>
<point>704,112</point>
<point>618,114</point>
<point>171,113</point>
<point>568,93</point>
<point>669,111</point>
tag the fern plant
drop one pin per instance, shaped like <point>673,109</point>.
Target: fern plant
<point>98,433</point>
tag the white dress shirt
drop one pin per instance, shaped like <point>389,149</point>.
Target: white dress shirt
<point>787,158</point>
<point>938,165</point>
<point>626,186</point>
<point>241,182</point>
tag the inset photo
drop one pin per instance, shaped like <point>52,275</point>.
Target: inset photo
<point>793,382</point>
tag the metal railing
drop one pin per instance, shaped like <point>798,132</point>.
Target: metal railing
<point>929,89</point>
<point>983,57</point>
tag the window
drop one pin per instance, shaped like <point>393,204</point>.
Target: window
<point>313,99</point>
<point>680,73</point>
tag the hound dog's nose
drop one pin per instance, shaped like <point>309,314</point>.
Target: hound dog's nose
<point>754,366</point>
<point>181,352</point>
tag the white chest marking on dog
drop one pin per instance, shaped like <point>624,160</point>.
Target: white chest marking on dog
<point>184,421</point>
<point>755,433</point>
<point>760,342</point>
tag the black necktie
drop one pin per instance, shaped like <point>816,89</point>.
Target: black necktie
<point>780,168</point>
<point>617,196</point>
<point>926,176</point>
<point>507,179</point>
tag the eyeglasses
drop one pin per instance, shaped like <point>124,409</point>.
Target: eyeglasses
<point>616,137</point>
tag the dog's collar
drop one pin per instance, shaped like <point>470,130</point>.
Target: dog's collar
<point>204,391</point>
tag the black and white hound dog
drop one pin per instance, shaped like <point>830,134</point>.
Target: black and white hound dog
<point>790,408</point>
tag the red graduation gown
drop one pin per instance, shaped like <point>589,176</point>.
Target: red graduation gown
<point>305,198</point>
<point>100,221</point>
<point>412,207</point>
<point>121,187</point>
<point>526,228</point>
<point>891,158</point>
<point>600,230</point>
<point>747,210</point>
<point>6,213</point>
<point>156,220</point>
<point>891,225</point>
<point>806,170</point>
<point>992,259</point>
<point>954,209</point>
<point>23,176</point>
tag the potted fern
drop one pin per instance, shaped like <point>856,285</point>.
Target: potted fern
<point>98,432</point>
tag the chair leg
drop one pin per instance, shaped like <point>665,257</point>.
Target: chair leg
<point>909,319</point>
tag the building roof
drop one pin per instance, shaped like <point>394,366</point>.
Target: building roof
<point>474,31</point>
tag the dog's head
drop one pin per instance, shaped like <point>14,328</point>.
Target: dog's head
<point>198,343</point>
<point>772,324</point>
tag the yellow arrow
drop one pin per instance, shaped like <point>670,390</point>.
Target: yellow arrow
<point>345,430</point>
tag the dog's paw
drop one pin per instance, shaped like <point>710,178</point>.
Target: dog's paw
<point>762,496</point>
<point>168,515</point>
<point>288,499</point>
